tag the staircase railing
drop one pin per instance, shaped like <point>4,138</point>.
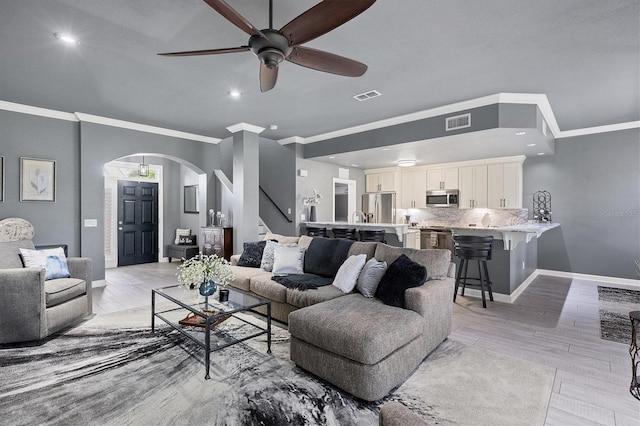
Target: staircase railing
<point>275,204</point>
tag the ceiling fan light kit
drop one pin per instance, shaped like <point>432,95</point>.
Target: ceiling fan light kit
<point>273,47</point>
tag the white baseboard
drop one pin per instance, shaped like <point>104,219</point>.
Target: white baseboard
<point>98,283</point>
<point>510,298</point>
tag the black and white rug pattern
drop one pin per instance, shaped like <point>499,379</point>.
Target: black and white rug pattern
<point>101,376</point>
<point>615,305</point>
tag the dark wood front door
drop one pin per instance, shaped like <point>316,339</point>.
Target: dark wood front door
<point>137,222</point>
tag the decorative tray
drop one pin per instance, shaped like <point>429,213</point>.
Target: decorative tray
<point>194,320</point>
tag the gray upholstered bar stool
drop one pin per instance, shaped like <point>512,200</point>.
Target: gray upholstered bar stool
<point>345,233</point>
<point>313,231</point>
<point>376,235</point>
<point>466,248</point>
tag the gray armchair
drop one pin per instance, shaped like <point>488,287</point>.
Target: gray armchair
<point>30,307</point>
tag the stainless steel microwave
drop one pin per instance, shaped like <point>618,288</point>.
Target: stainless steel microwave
<point>443,198</point>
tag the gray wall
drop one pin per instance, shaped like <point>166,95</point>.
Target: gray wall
<point>25,135</point>
<point>277,179</point>
<point>594,183</point>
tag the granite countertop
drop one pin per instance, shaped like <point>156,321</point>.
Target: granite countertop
<point>529,228</point>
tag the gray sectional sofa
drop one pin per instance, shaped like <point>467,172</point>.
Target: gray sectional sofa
<point>360,344</point>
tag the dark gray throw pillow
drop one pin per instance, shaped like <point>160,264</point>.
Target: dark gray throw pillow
<point>402,274</point>
<point>252,254</point>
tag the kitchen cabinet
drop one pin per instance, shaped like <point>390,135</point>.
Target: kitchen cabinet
<point>473,187</point>
<point>504,185</point>
<point>413,189</point>
<point>446,178</point>
<point>412,239</point>
<point>380,182</point>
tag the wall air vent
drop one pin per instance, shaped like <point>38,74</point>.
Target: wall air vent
<point>458,122</point>
<point>367,95</point>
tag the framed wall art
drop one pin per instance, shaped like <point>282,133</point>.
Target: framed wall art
<point>1,179</point>
<point>37,179</point>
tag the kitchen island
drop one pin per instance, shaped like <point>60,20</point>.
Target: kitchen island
<point>395,230</point>
<point>514,257</point>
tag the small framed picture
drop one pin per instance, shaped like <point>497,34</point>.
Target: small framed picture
<point>37,180</point>
<point>1,179</point>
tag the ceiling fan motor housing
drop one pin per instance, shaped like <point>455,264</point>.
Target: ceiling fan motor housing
<point>272,49</point>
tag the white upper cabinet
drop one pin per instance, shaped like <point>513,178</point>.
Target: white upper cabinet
<point>505,185</point>
<point>473,187</point>
<point>381,182</point>
<point>446,178</point>
<point>413,190</point>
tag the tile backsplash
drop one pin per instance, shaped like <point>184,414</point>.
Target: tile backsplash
<point>458,217</point>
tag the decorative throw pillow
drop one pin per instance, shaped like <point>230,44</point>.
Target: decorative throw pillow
<point>266,264</point>
<point>252,254</point>
<point>53,260</point>
<point>348,274</point>
<point>288,260</point>
<point>402,274</point>
<point>180,232</point>
<point>370,277</point>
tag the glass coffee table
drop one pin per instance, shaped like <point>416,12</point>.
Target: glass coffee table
<point>204,313</point>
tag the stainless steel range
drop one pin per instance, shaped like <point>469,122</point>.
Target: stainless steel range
<point>438,237</point>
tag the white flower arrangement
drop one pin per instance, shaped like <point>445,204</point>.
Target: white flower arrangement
<point>201,268</point>
<point>314,199</point>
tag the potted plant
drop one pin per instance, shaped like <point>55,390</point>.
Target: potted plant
<point>312,201</point>
<point>205,272</point>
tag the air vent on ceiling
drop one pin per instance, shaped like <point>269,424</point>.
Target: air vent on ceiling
<point>367,95</point>
<point>458,122</point>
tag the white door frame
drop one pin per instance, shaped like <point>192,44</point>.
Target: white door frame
<point>351,199</point>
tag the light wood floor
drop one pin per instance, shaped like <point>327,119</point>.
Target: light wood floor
<point>555,322</point>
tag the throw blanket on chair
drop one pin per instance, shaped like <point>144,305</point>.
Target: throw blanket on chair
<point>302,281</point>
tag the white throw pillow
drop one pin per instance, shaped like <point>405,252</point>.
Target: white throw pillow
<point>288,260</point>
<point>53,260</point>
<point>347,276</point>
<point>370,277</point>
<point>266,264</point>
<point>182,233</point>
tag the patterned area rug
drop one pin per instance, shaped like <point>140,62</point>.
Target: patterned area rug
<point>106,373</point>
<point>615,305</point>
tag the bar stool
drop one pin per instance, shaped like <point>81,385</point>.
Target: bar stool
<point>376,235</point>
<point>466,248</point>
<point>313,231</point>
<point>345,233</point>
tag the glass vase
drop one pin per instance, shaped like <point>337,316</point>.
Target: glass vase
<point>207,288</point>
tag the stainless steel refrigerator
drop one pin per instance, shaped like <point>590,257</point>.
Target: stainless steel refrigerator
<point>379,207</point>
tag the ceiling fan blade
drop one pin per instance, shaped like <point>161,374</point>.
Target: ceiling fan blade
<point>327,62</point>
<point>268,77</point>
<point>234,17</point>
<point>207,51</point>
<point>322,18</point>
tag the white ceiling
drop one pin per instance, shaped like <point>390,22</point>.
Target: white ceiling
<point>583,54</point>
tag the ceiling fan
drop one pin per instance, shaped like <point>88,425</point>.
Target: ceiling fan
<point>274,46</point>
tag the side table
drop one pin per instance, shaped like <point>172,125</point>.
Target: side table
<point>634,351</point>
<point>182,251</point>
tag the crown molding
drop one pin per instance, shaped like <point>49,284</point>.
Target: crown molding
<point>292,139</point>
<point>88,118</point>
<point>42,112</point>
<point>600,129</point>
<point>235,128</point>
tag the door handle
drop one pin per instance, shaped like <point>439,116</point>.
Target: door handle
<point>119,222</point>
<point>120,228</point>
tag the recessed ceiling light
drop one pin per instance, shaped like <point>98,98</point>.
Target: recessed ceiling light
<point>385,149</point>
<point>521,133</point>
<point>541,153</point>
<point>273,126</point>
<point>67,38</point>
<point>235,94</point>
<point>406,163</point>
<point>531,144</point>
<point>355,165</point>
<point>332,156</point>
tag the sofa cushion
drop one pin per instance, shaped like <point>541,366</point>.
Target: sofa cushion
<point>10,253</point>
<point>436,261</point>
<point>355,327</point>
<point>370,277</point>
<point>347,276</point>
<point>402,274</point>
<point>325,256</point>
<point>243,276</point>
<point>363,247</point>
<point>288,260</point>
<point>301,299</point>
<point>62,290</point>
<point>304,241</point>
<point>264,286</point>
<point>281,238</point>
<point>266,263</point>
<point>252,254</point>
